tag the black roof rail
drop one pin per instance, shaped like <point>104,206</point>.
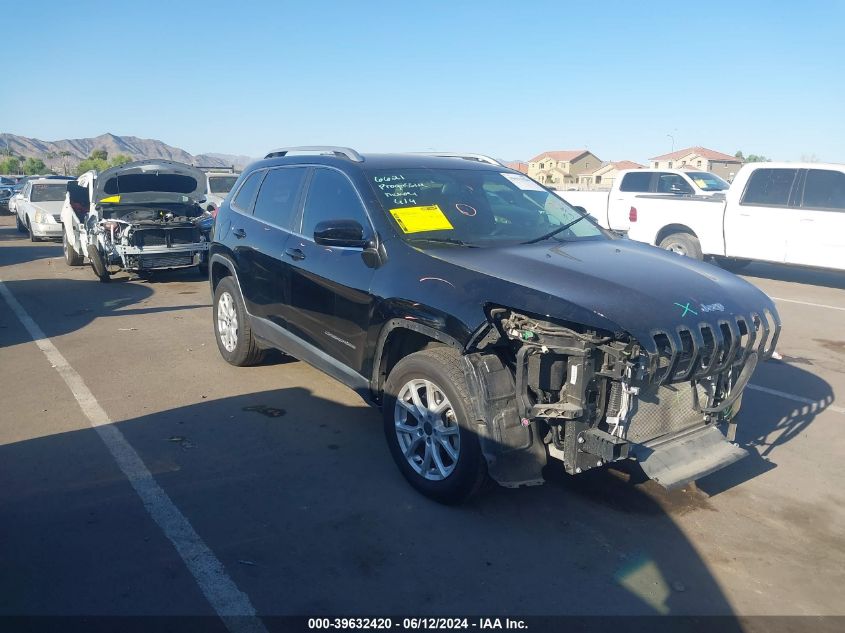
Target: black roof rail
<point>345,152</point>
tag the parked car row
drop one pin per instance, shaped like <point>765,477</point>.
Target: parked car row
<point>497,327</point>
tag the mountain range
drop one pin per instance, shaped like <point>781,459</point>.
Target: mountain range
<point>69,152</point>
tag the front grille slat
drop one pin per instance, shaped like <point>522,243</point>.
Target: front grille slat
<point>708,349</point>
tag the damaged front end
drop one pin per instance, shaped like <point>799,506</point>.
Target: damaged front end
<point>587,397</point>
<point>145,239</point>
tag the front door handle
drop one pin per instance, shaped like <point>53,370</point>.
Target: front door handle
<point>295,254</point>
<point>239,233</point>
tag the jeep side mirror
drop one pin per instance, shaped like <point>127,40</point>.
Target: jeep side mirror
<point>343,233</point>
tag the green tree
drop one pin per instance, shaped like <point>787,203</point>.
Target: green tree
<point>120,159</point>
<point>99,154</point>
<point>10,166</point>
<point>34,166</point>
<point>97,164</point>
<point>64,154</point>
<point>752,158</point>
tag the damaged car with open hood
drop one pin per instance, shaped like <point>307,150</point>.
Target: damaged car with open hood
<point>140,217</point>
<point>497,328</point>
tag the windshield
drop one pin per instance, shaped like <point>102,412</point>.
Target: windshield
<point>475,207</point>
<point>221,184</point>
<point>707,181</point>
<point>48,193</point>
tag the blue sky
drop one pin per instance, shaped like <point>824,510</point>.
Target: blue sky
<point>504,78</point>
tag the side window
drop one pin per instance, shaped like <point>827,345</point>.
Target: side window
<point>246,194</point>
<point>672,183</point>
<point>636,181</point>
<point>276,202</point>
<point>769,187</point>
<point>824,189</point>
<point>331,197</point>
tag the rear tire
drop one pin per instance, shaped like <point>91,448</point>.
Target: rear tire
<point>438,452</point>
<point>683,244</point>
<point>232,331</point>
<point>72,258</point>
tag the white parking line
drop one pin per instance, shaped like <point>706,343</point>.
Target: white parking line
<point>791,396</point>
<point>807,303</point>
<point>229,602</point>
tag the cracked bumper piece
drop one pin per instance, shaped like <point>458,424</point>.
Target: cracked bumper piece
<point>691,456</point>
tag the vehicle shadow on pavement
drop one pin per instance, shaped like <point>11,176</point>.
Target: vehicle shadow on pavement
<point>82,302</point>
<point>298,497</point>
<point>795,274</point>
<point>29,252</point>
<point>766,422</point>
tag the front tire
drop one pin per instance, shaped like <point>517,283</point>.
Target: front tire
<point>21,226</point>
<point>683,244</point>
<point>72,258</point>
<point>427,424</point>
<point>32,237</point>
<point>232,331</point>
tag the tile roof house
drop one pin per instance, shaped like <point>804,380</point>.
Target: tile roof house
<point>603,177</point>
<point>702,158</point>
<point>518,165</point>
<point>561,167</point>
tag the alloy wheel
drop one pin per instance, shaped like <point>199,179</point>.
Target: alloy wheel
<point>427,429</point>
<point>227,322</point>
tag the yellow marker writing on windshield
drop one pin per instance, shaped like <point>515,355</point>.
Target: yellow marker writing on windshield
<point>114,199</point>
<point>419,219</point>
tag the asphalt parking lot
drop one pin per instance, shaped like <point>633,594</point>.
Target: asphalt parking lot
<point>285,478</point>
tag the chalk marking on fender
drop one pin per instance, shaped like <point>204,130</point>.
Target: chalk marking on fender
<point>230,603</point>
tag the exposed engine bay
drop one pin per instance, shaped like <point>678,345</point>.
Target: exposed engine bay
<point>586,398</point>
<point>144,237</point>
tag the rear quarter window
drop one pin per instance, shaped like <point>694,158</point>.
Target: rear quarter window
<point>824,189</point>
<point>769,187</point>
<point>246,194</point>
<point>636,182</point>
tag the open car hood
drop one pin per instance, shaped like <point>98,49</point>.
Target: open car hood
<point>152,180</point>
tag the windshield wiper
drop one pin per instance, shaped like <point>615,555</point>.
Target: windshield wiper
<point>443,240</point>
<point>559,229</point>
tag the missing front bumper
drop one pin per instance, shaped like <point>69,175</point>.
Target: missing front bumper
<point>691,456</point>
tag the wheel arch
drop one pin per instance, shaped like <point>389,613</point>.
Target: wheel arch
<point>670,229</point>
<point>398,338</point>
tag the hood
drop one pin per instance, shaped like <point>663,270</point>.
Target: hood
<point>53,207</point>
<point>150,181</point>
<point>638,288</point>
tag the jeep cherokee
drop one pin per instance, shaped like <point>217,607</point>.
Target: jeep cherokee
<point>495,326</point>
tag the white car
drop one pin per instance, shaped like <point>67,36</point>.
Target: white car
<point>611,207</point>
<point>787,213</point>
<point>219,185</point>
<point>142,217</point>
<point>38,208</point>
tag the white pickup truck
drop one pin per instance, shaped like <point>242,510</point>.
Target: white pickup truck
<point>791,213</point>
<point>611,208</point>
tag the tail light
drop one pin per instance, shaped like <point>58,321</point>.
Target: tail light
<point>632,214</point>
<point>214,211</point>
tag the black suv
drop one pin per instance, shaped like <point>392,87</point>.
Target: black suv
<point>495,325</point>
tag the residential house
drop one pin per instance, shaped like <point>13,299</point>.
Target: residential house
<point>559,169</point>
<point>723,165</point>
<point>518,165</point>
<point>603,177</point>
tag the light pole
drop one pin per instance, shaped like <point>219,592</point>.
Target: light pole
<point>673,142</point>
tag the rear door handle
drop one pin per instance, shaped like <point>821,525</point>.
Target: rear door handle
<point>295,254</point>
<point>239,233</point>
